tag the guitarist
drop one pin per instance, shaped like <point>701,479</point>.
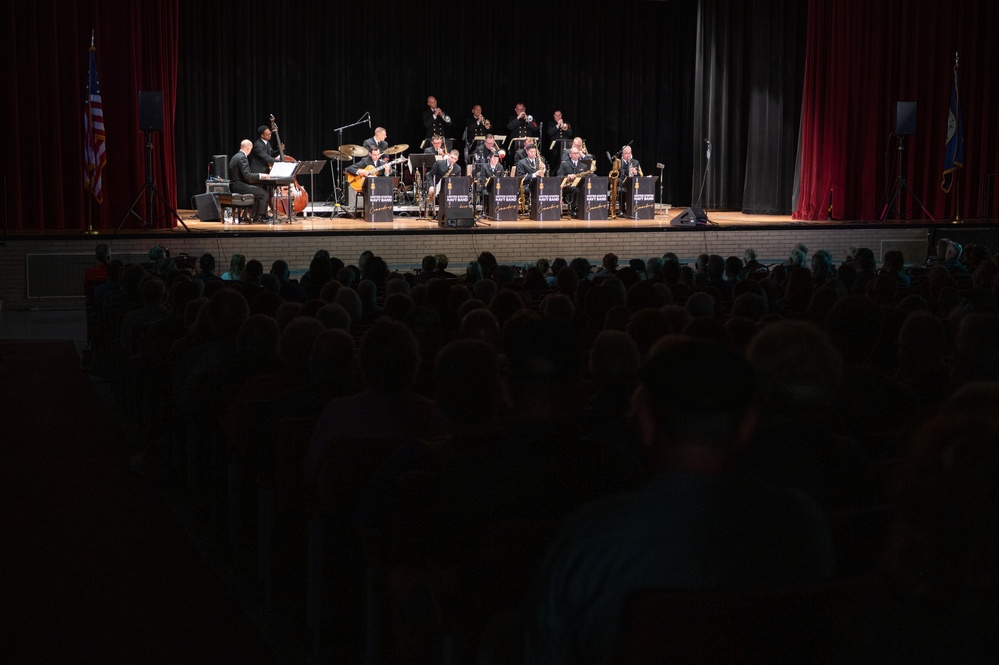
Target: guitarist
<point>374,158</point>
<point>441,169</point>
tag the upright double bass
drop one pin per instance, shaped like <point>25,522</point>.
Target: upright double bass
<point>299,197</point>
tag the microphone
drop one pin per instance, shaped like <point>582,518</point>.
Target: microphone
<point>369,119</point>
<point>660,165</point>
<point>708,152</point>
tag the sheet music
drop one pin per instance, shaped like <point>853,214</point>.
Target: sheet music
<point>283,169</point>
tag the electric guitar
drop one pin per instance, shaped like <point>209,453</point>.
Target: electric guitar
<point>356,180</point>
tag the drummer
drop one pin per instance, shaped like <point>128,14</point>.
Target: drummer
<point>378,141</point>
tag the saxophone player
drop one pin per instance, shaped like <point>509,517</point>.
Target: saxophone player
<point>629,165</point>
<point>441,169</point>
<point>532,166</point>
<point>434,119</point>
<point>567,170</point>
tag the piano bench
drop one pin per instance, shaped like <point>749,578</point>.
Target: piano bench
<point>239,207</point>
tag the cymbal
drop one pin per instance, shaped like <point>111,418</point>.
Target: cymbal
<point>396,149</point>
<point>354,150</point>
<point>336,154</point>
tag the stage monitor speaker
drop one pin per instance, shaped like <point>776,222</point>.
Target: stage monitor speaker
<point>458,218</point>
<point>690,216</point>
<point>150,111</point>
<point>220,167</point>
<point>208,206</point>
<point>905,118</point>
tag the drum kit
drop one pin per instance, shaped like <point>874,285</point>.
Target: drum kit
<point>350,151</point>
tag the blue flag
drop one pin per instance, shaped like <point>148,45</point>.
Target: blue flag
<point>954,152</point>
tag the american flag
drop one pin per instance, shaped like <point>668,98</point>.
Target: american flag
<point>93,125</point>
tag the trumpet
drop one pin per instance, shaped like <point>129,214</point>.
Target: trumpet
<point>486,123</point>
<point>439,111</point>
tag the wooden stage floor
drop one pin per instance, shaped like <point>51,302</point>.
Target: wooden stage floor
<point>325,224</point>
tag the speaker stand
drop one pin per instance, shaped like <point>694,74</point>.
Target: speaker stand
<point>894,198</point>
<point>151,192</point>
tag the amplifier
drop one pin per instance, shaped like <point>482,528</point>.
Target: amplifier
<point>217,187</point>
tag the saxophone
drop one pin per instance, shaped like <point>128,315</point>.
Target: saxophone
<point>615,172</point>
<point>541,167</point>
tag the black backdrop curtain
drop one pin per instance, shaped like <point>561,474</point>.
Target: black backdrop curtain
<point>619,72</point>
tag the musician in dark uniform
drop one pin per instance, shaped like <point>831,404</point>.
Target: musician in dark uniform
<point>437,147</point>
<point>441,169</point>
<point>521,124</point>
<point>629,167</point>
<point>520,154</point>
<point>571,167</point>
<point>530,166</point>
<point>241,179</point>
<point>493,168</point>
<point>578,144</point>
<point>434,119</point>
<point>360,167</point>
<point>378,141</point>
<point>558,131</point>
<point>263,155</point>
<point>477,125</point>
<point>486,149</point>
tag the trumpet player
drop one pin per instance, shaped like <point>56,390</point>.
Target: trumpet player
<point>478,124</point>
<point>435,119</point>
<point>559,132</point>
<point>521,123</point>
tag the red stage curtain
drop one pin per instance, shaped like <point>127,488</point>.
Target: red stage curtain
<point>47,58</point>
<point>861,58</point>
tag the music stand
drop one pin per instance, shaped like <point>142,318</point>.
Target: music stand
<point>311,168</point>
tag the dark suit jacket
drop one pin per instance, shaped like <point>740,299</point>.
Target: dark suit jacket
<point>263,156</point>
<point>555,133</point>
<point>521,127</point>
<point>239,169</point>
<point>567,168</point>
<point>524,168</point>
<point>371,143</point>
<point>366,161</point>
<point>439,168</point>
<point>434,125</point>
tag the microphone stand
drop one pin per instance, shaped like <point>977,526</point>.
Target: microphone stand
<point>339,209</point>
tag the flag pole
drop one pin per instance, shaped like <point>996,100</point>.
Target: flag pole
<point>956,175</point>
<point>90,201</point>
